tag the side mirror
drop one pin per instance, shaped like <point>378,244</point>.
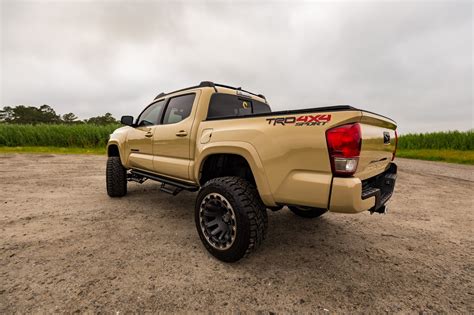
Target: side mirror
<point>127,120</point>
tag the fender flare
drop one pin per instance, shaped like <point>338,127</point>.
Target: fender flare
<point>245,150</point>
<point>120,149</point>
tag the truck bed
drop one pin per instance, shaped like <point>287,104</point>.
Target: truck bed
<point>294,154</point>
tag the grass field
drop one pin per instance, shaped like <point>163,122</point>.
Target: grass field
<point>452,140</point>
<point>451,156</point>
<point>53,150</point>
<point>60,135</point>
<point>452,146</point>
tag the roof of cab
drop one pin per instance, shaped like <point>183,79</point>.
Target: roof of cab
<point>213,85</point>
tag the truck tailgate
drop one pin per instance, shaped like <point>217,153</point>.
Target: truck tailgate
<point>378,144</point>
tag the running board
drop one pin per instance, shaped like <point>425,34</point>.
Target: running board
<point>166,181</point>
<point>170,191</point>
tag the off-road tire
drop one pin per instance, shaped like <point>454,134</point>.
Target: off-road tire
<point>250,213</point>
<point>116,177</point>
<point>307,212</point>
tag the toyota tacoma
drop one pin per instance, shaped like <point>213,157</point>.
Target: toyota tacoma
<point>242,159</point>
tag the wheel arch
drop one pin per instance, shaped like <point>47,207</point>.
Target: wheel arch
<point>114,149</point>
<point>237,151</point>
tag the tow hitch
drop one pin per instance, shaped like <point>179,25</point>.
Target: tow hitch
<point>381,187</point>
<point>382,210</point>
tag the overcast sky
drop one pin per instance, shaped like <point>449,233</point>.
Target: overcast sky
<point>412,61</point>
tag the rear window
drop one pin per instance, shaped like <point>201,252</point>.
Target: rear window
<point>228,105</point>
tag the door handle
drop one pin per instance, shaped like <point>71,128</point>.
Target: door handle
<point>181,133</point>
<point>148,134</point>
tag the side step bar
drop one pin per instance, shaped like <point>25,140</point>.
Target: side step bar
<point>165,181</point>
<point>170,191</point>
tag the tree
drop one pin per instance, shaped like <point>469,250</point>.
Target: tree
<point>45,114</point>
<point>69,118</point>
<point>6,114</point>
<point>106,119</point>
<point>48,115</point>
<point>22,114</point>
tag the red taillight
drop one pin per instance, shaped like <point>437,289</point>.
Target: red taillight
<point>344,144</point>
<point>396,145</point>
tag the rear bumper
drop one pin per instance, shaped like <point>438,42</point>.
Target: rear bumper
<point>351,195</point>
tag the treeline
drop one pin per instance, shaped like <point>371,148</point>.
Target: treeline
<point>45,114</point>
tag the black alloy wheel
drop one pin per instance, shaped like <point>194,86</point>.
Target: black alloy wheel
<point>217,221</point>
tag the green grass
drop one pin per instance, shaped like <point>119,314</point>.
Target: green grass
<point>452,140</point>
<point>59,135</point>
<point>54,150</point>
<point>450,146</point>
<point>451,156</point>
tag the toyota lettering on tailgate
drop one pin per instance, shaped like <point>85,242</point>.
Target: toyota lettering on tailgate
<point>305,120</point>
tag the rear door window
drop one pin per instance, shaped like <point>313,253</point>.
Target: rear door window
<point>178,108</point>
<point>228,105</point>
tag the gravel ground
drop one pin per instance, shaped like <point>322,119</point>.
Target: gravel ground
<point>66,247</point>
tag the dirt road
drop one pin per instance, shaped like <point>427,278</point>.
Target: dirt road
<point>65,246</point>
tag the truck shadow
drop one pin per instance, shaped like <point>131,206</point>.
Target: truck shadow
<point>332,256</point>
<point>290,239</point>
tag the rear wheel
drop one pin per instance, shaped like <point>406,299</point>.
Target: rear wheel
<point>116,177</point>
<point>307,212</point>
<point>230,218</point>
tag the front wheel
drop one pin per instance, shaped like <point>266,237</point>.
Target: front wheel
<point>230,217</point>
<point>307,212</point>
<point>116,177</point>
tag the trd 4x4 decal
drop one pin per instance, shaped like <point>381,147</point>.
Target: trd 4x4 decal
<point>305,120</point>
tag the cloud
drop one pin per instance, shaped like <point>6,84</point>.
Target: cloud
<point>408,60</point>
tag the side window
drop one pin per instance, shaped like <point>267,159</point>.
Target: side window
<point>228,105</point>
<point>259,108</point>
<point>151,115</point>
<point>179,108</point>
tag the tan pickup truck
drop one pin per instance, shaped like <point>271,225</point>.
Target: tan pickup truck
<point>243,159</point>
